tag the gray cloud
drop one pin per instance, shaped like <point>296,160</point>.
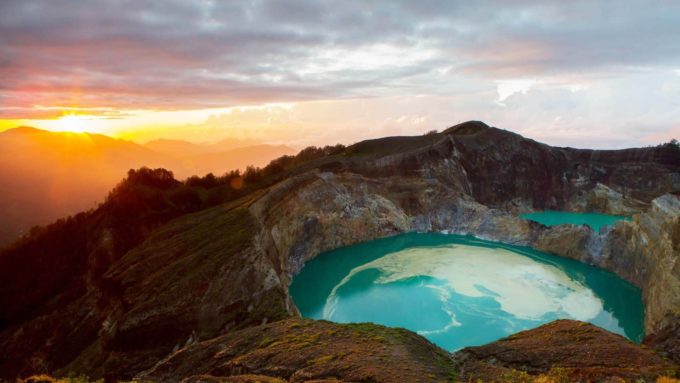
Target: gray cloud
<point>198,54</point>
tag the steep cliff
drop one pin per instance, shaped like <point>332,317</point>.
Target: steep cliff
<point>219,271</point>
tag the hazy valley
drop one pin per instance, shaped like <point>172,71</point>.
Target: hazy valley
<point>48,175</point>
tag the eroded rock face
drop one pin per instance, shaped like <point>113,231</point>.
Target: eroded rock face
<point>220,271</point>
<point>333,210</point>
<point>647,252</point>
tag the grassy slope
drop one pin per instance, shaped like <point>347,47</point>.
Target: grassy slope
<point>302,349</point>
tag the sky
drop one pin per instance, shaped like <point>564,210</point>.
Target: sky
<point>600,74</point>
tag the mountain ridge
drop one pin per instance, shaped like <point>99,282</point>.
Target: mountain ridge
<point>223,267</point>
<point>49,175</point>
<point>182,147</point>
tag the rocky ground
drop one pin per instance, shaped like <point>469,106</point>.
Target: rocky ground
<point>299,350</point>
<point>203,295</point>
<point>568,349</point>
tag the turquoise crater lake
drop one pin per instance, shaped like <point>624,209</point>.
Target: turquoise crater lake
<point>553,218</point>
<point>459,291</point>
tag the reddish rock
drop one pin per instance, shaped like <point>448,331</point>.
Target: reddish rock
<point>667,340</point>
<point>579,350</point>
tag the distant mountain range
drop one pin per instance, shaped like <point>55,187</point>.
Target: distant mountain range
<point>218,157</point>
<point>48,175</point>
<point>186,149</point>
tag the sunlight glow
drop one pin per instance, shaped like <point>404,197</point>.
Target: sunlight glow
<point>71,123</point>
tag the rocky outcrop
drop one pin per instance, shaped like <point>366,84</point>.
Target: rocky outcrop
<point>298,350</point>
<point>667,340</point>
<point>198,284</point>
<point>647,252</point>
<point>565,350</point>
<point>604,199</point>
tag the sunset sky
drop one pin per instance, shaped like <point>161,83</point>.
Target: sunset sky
<point>578,73</point>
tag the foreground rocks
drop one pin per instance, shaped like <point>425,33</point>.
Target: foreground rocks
<point>298,350</point>
<point>667,341</point>
<point>572,350</point>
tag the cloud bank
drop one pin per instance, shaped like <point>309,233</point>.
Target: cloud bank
<point>557,70</point>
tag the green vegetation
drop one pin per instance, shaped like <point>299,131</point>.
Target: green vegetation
<point>55,265</point>
<point>57,256</point>
<point>322,349</point>
<point>323,359</point>
<point>671,149</point>
<point>516,376</point>
<point>254,178</point>
<point>390,145</point>
<point>673,143</point>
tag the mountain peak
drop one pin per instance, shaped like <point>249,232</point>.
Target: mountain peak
<point>467,128</point>
<point>23,130</point>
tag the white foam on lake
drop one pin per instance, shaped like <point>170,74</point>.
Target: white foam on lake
<point>523,287</point>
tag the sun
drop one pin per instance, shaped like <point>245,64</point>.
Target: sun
<point>71,123</point>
